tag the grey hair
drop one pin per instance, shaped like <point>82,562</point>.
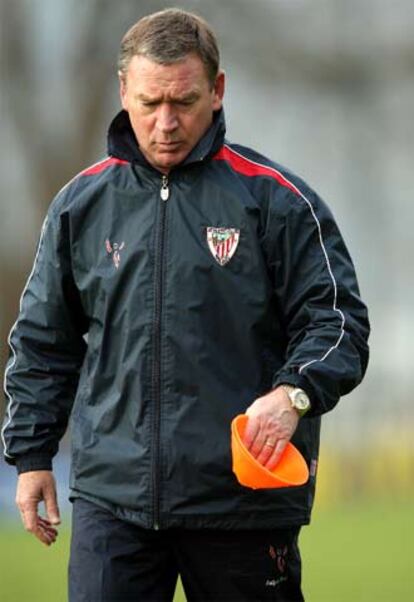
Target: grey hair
<point>167,37</point>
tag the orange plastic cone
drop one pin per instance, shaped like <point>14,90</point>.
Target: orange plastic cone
<point>290,471</point>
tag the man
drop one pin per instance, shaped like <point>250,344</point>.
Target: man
<point>210,282</point>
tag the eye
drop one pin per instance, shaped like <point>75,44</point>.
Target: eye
<point>186,103</point>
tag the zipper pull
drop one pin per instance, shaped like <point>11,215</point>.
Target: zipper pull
<point>165,191</point>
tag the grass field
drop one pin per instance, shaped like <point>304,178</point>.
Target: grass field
<point>361,552</point>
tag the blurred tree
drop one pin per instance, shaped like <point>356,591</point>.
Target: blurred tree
<point>29,91</point>
<point>48,159</point>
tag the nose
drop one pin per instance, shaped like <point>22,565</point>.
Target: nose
<point>167,120</point>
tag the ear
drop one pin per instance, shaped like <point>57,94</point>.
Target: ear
<point>218,91</point>
<point>123,90</point>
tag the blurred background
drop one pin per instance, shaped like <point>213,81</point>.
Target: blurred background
<point>325,87</point>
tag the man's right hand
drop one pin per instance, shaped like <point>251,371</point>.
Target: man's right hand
<point>32,488</point>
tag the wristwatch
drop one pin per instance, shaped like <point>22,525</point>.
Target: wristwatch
<point>298,398</point>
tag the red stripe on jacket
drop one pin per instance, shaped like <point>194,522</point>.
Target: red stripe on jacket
<point>102,165</point>
<point>247,167</point>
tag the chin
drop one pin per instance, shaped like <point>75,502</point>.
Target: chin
<point>168,162</point>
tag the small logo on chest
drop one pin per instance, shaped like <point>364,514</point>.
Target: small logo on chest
<point>222,243</point>
<point>115,249</point>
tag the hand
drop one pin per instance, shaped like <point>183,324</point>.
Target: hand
<point>32,488</point>
<point>272,422</point>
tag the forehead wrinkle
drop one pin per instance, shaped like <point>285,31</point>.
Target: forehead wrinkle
<point>174,90</point>
<point>193,94</point>
<point>175,81</point>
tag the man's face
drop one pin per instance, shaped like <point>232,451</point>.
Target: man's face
<point>170,107</point>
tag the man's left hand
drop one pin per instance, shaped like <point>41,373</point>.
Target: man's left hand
<point>272,422</point>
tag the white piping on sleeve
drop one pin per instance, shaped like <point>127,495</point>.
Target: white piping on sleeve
<point>14,354</point>
<point>335,308</point>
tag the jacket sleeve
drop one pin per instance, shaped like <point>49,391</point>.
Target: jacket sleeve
<point>325,322</point>
<point>46,352</point>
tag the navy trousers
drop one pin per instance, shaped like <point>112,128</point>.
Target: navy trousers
<point>114,560</point>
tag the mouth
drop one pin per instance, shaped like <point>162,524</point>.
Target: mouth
<point>168,146</point>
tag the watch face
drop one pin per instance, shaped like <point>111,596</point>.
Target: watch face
<point>301,401</point>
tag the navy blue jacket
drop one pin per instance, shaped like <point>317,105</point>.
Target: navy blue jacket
<point>158,309</point>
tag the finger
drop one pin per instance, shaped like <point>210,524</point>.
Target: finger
<point>47,536</point>
<point>274,458</point>
<point>251,431</point>
<point>44,537</point>
<point>44,522</point>
<point>51,505</point>
<point>30,522</point>
<point>265,453</point>
<point>37,530</point>
<point>33,524</point>
<point>258,444</point>
<point>51,534</point>
<point>51,537</point>
<point>29,517</point>
<point>48,530</point>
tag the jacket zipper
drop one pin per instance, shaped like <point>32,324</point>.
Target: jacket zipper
<point>157,336</point>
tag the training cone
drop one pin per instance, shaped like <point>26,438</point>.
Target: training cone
<point>290,471</point>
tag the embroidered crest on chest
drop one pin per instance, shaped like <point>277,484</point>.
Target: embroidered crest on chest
<point>222,243</point>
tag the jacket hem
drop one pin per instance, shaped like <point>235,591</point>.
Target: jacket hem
<point>234,522</point>
<point>227,522</point>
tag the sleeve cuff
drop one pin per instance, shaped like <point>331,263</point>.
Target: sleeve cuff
<point>33,462</point>
<point>296,380</point>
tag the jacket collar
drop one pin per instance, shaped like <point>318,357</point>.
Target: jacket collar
<point>123,144</point>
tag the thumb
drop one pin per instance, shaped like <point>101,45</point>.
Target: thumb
<point>51,505</point>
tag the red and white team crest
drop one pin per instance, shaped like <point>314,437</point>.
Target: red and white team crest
<point>223,243</point>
